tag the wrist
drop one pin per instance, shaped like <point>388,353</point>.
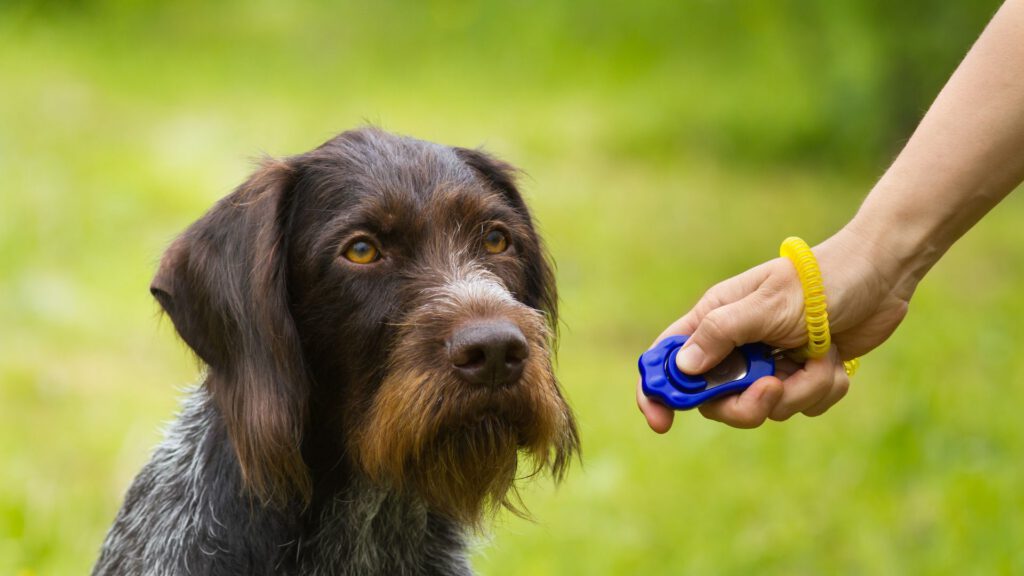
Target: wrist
<point>898,246</point>
<point>858,272</point>
<point>913,215</point>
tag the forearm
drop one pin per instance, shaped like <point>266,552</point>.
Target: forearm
<point>966,155</point>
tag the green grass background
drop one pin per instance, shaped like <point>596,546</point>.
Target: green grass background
<point>667,145</point>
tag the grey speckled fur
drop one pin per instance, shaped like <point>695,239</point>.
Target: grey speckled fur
<point>185,514</point>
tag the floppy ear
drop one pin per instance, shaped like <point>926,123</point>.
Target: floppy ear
<point>223,283</point>
<point>540,288</point>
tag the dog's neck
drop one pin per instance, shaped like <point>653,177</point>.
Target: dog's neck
<point>187,513</point>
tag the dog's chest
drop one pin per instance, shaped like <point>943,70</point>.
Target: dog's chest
<point>368,531</point>
<point>183,515</point>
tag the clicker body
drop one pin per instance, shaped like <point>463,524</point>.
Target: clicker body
<point>664,382</point>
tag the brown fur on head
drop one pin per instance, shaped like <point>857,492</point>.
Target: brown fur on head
<point>457,447</point>
<point>322,367</point>
<point>222,284</point>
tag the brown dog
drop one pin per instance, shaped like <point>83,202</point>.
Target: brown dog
<point>376,316</point>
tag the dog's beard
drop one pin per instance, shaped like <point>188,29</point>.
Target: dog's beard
<point>458,447</point>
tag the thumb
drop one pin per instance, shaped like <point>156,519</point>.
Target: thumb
<point>719,332</point>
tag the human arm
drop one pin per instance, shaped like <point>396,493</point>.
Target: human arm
<point>964,157</point>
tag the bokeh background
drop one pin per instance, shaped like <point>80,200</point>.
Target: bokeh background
<point>667,145</point>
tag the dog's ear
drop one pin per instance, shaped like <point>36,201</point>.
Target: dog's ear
<point>540,289</point>
<point>223,283</point>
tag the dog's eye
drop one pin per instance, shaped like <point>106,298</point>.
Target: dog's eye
<point>362,251</point>
<point>495,242</point>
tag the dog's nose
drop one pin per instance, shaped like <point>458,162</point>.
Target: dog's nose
<point>490,353</point>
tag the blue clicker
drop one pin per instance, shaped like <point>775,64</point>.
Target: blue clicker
<point>668,385</point>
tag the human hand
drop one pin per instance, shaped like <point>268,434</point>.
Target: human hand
<point>866,301</point>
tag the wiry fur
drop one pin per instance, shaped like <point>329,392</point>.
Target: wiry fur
<point>332,434</point>
<point>183,516</point>
<point>438,430</point>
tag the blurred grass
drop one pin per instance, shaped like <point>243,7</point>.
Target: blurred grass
<point>668,145</point>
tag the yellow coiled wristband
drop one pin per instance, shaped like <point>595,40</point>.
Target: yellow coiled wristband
<point>815,308</point>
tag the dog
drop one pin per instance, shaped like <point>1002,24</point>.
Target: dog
<point>376,318</point>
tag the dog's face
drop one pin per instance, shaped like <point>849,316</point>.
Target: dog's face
<point>383,299</point>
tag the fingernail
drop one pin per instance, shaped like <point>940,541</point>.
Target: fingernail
<point>690,358</point>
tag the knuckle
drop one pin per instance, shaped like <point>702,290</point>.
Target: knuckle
<point>781,413</point>
<point>822,388</point>
<point>711,298</point>
<point>713,292</point>
<point>745,419</point>
<point>842,386</point>
<point>716,325</point>
<point>711,413</point>
<point>821,376</point>
<point>828,373</point>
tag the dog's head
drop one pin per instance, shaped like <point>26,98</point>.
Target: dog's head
<point>384,300</point>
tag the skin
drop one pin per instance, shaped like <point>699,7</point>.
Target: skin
<point>964,157</point>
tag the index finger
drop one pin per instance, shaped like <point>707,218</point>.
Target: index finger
<point>724,293</point>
